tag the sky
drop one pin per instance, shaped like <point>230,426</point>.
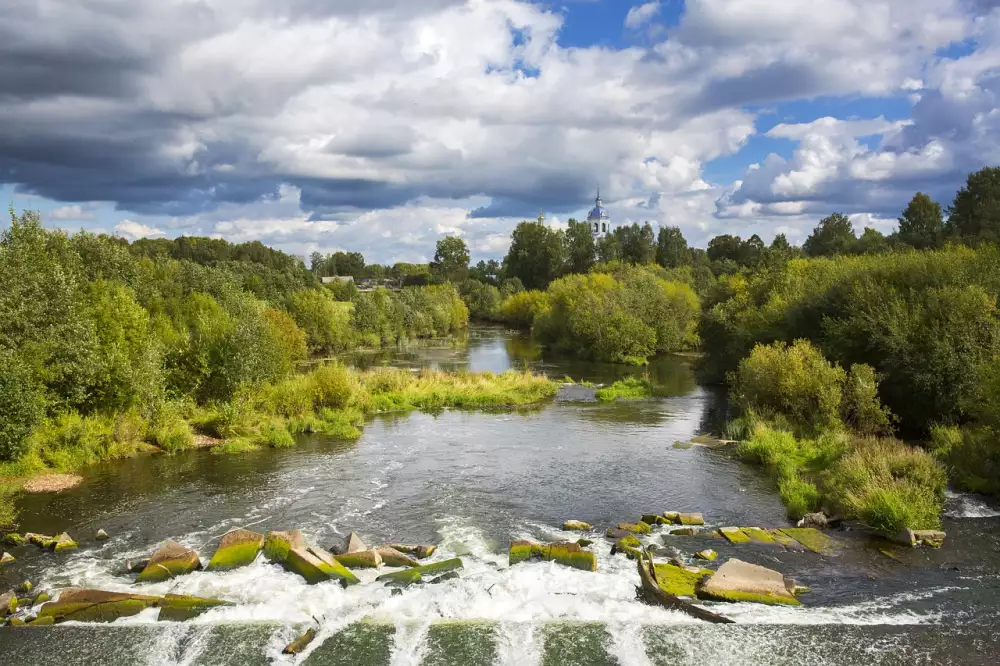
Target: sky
<point>381,125</point>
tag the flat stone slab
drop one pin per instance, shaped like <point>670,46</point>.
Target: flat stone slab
<point>737,580</point>
<point>734,535</point>
<point>237,548</point>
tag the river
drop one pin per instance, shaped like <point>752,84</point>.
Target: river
<point>473,482</point>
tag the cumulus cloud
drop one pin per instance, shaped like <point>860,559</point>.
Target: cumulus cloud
<point>74,212</point>
<point>134,230</point>
<point>384,114</point>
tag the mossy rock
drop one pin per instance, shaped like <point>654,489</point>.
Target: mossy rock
<point>168,562</point>
<point>237,548</point>
<point>523,551</point>
<point>316,566</point>
<point>278,544</point>
<point>8,603</point>
<point>757,534</point>
<point>738,581</point>
<point>583,543</point>
<point>63,543</point>
<point>41,540</point>
<point>636,528</point>
<point>364,559</point>
<point>679,581</point>
<point>734,535</point>
<point>577,525</point>
<point>421,552</point>
<point>415,575</point>
<point>691,519</point>
<point>84,605</point>
<point>630,541</point>
<point>784,540</point>
<point>567,553</point>
<point>101,535</point>
<point>393,558</point>
<point>654,519</point>
<point>25,587</point>
<point>300,643</point>
<point>181,607</point>
<point>41,622</point>
<point>683,531</point>
<point>630,546</point>
<point>811,538</point>
<point>7,558</point>
<point>41,598</point>
<point>708,554</point>
<point>615,533</point>
<point>672,517</point>
<point>13,539</point>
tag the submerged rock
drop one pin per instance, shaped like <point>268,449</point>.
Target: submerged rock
<point>101,535</point>
<point>757,534</point>
<point>85,605</point>
<point>635,528</point>
<point>41,540</point>
<point>278,544</point>
<point>672,516</point>
<point>181,607</point>
<point>576,525</point>
<point>567,553</point>
<point>365,559</point>
<point>237,548</point>
<point>420,552</point>
<point>679,581</point>
<point>13,539</point>
<point>914,538</point>
<point>615,533</point>
<point>7,558</point>
<point>817,520</point>
<point>737,580</point>
<point>683,531</point>
<point>734,535</point>
<point>451,575</point>
<point>407,577</point>
<point>300,643</point>
<point>135,566</point>
<point>583,543</point>
<point>654,519</point>
<point>25,587</point>
<point>811,538</point>
<point>63,543</point>
<point>393,558</point>
<point>707,554</point>
<point>168,562</point>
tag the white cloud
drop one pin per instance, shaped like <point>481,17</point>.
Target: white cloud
<point>134,230</point>
<point>74,212</point>
<point>641,14</point>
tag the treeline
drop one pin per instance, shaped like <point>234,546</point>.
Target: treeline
<point>93,325</point>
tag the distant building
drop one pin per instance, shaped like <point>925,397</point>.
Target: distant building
<point>337,278</point>
<point>599,219</point>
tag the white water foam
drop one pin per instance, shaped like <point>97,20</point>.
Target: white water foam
<point>965,505</point>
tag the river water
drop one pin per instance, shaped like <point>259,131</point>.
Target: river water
<point>472,483</point>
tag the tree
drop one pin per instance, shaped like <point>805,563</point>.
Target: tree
<point>451,260</point>
<point>921,224</point>
<point>725,247</point>
<point>637,243</point>
<point>487,272</point>
<point>671,248</point>
<point>975,214</point>
<point>609,248</point>
<point>833,235</point>
<point>580,247</point>
<point>535,256</point>
<point>872,241</point>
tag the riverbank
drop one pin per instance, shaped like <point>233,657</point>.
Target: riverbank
<point>330,400</point>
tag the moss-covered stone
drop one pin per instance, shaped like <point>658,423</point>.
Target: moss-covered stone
<point>393,558</point>
<point>41,598</point>
<point>615,533</point>
<point>707,554</point>
<point>41,540</point>
<point>316,565</point>
<point>417,574</point>
<point>420,552</point>
<point>811,538</point>
<point>237,548</point>
<point>672,517</point>
<point>181,607</point>
<point>84,605</point>
<point>636,528</point>
<point>784,540</point>
<point>583,543</point>
<point>629,546</point>
<point>567,553</point>
<point>278,544</point>
<point>365,559</point>
<point>101,535</point>
<point>522,551</point>
<point>758,535</point>
<point>691,519</point>
<point>654,519</point>
<point>577,525</point>
<point>738,581</point>
<point>679,581</point>
<point>300,643</point>
<point>25,587</point>
<point>63,543</point>
<point>168,562</point>
<point>630,541</point>
<point>683,531</point>
<point>41,622</point>
<point>8,603</point>
<point>7,558</point>
<point>13,539</point>
<point>734,535</point>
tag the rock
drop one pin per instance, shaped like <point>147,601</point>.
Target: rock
<point>365,559</point>
<point>8,603</point>
<point>300,643</point>
<point>170,561</point>
<point>41,540</point>
<point>615,533</point>
<point>816,520</point>
<point>566,553</point>
<point>278,544</point>
<point>41,598</point>
<point>354,544</point>
<point>576,525</point>
<point>914,538</point>
<point>237,548</point>
<point>734,535</point>
<point>7,558</point>
<point>811,538</point>
<point>654,519</point>
<point>737,580</point>
<point>683,531</point>
<point>317,565</point>
<point>785,540</point>
<point>407,577</point>
<point>13,539</point>
<point>629,545</point>
<point>451,575</point>
<point>707,554</point>
<point>679,581</point>
<point>419,552</point>
<point>393,558</point>
<point>654,594</point>
<point>332,568</point>
<point>635,528</point>
<point>101,535</point>
<point>583,543</point>
<point>26,587</point>
<point>63,543</point>
<point>42,622</point>
<point>757,534</point>
<point>84,605</point>
<point>135,566</point>
<point>181,607</point>
<point>690,519</point>
<point>672,517</point>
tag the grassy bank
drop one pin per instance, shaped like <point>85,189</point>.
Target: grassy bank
<point>330,400</point>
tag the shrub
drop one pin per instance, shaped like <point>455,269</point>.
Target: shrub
<point>293,397</point>
<point>169,430</point>
<point>21,405</point>
<point>972,455</point>
<point>521,309</point>
<point>861,408</point>
<point>275,434</point>
<point>325,322</point>
<point>333,386</point>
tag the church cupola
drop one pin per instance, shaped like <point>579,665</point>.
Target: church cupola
<point>599,219</point>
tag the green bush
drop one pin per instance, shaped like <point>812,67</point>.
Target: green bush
<point>169,430</point>
<point>972,455</point>
<point>522,308</point>
<point>333,386</point>
<point>22,405</point>
<point>325,321</point>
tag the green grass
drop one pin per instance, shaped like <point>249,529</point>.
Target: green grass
<point>630,388</point>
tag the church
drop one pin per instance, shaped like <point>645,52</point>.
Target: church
<point>599,219</point>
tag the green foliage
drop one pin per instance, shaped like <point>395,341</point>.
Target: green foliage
<point>325,321</point>
<point>630,388</point>
<point>536,255</point>
<point>921,225</point>
<point>482,300</point>
<point>169,430</point>
<point>579,247</point>
<point>22,405</point>
<point>451,260</point>
<point>975,214</point>
<point>972,454</point>
<point>521,309</point>
<point>833,235</point>
<point>671,248</point>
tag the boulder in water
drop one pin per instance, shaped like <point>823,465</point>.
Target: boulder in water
<point>101,535</point>
<point>737,580</point>
<point>7,558</point>
<point>25,587</point>
<point>365,559</point>
<point>757,534</point>
<point>811,538</point>
<point>707,554</point>
<point>8,603</point>
<point>691,519</point>
<point>914,538</point>
<point>278,544</point>
<point>317,565</point>
<point>135,566</point>
<point>168,562</point>
<point>635,528</point>
<point>615,533</point>
<point>583,543</point>
<point>683,531</point>
<point>672,517</point>
<point>420,552</point>
<point>451,575</point>
<point>84,605</point>
<point>181,607</point>
<point>654,519</point>
<point>407,577</point>
<point>300,643</point>
<point>578,525</point>
<point>567,553</point>
<point>393,558</point>
<point>816,520</point>
<point>13,539</point>
<point>237,548</point>
<point>41,540</point>
<point>63,543</point>
<point>354,544</point>
<point>734,535</point>
<point>629,545</point>
<point>678,580</point>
